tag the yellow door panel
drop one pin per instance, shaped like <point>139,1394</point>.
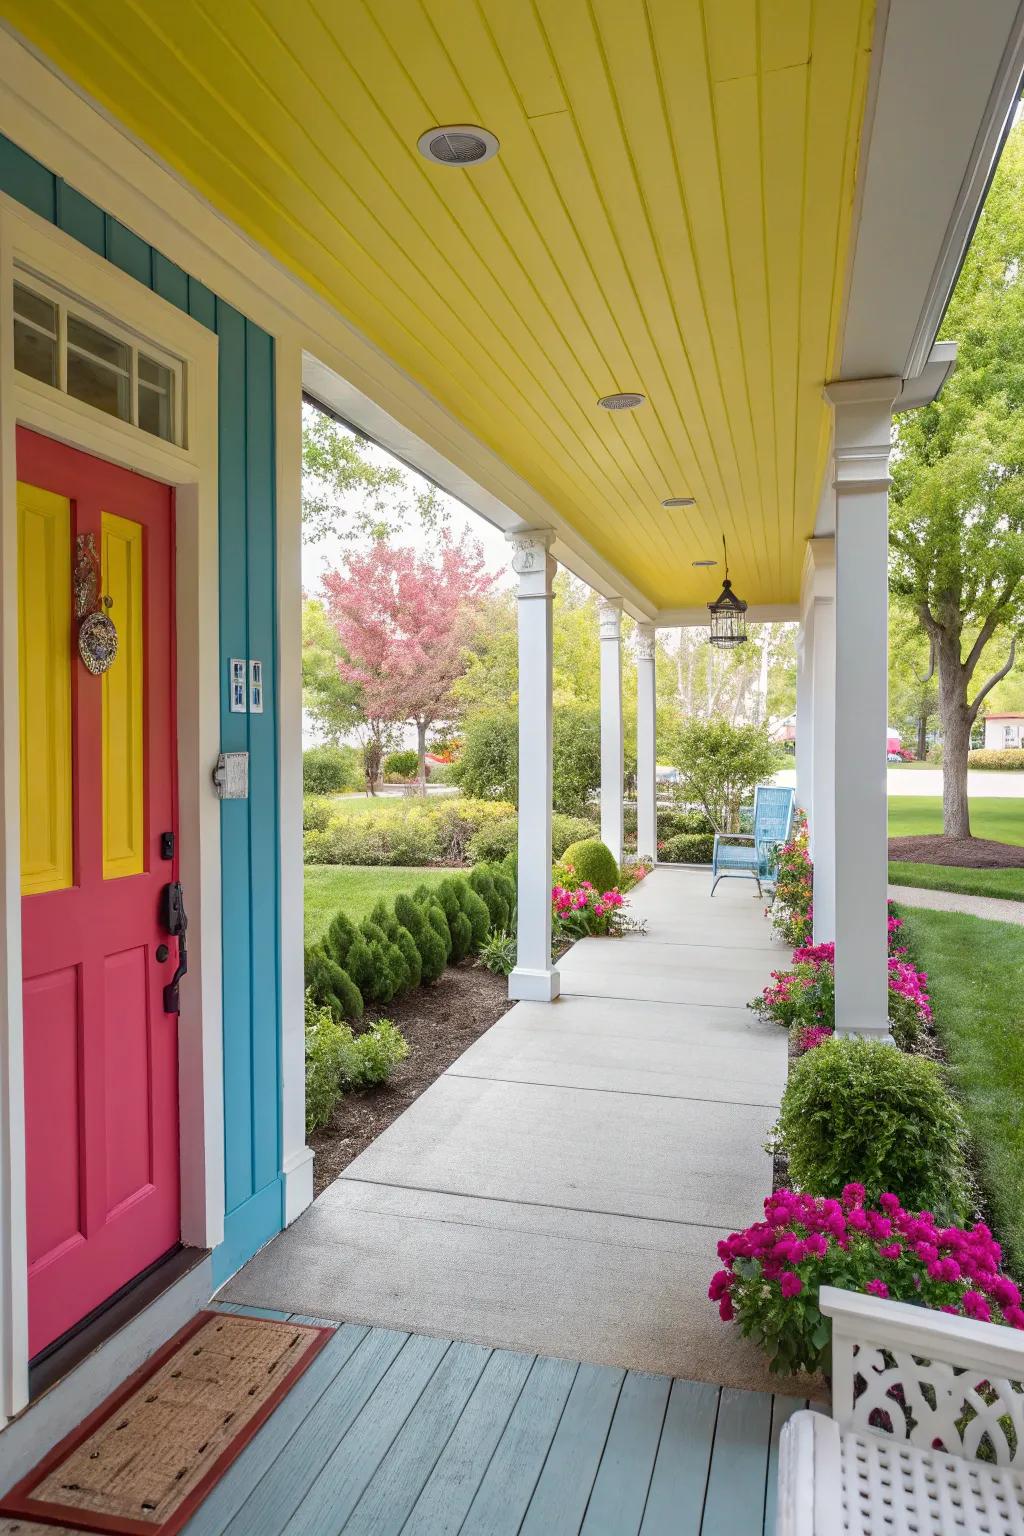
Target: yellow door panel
<point>44,660</point>
<point>123,788</point>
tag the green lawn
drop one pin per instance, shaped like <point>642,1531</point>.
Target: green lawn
<point>1008,883</point>
<point>974,970</point>
<point>357,888</point>
<point>1001,820</point>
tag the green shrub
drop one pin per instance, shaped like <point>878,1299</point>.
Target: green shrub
<point>385,837</point>
<point>566,830</point>
<point>498,954</point>
<point>462,936</point>
<point>341,931</point>
<point>859,1111</point>
<point>439,923</point>
<point>450,894</point>
<point>328,770</point>
<point>316,813</point>
<point>433,955</point>
<point>591,860</point>
<point>317,847</point>
<point>331,1058</point>
<point>993,757</point>
<point>483,883</point>
<point>402,765</point>
<point>456,820</point>
<point>332,986</point>
<point>491,844</point>
<point>475,910</point>
<point>720,764</point>
<point>489,764</point>
<point>360,965</point>
<point>672,823</point>
<point>379,1049</point>
<point>687,848</point>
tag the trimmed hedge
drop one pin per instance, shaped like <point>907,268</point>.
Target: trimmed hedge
<point>406,943</point>
<point>687,848</point>
<point>995,757</point>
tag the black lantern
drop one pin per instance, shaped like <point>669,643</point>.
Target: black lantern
<point>728,614</point>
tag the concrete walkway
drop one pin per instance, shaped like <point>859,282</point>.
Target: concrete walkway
<point>561,1188</point>
<point>997,909</point>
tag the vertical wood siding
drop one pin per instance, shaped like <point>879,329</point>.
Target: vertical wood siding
<point>249,828</point>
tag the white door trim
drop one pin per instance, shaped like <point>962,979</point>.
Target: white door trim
<point>191,471</point>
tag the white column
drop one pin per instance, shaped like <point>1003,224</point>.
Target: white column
<point>863,421</point>
<point>823,781</point>
<point>804,686</point>
<point>296,1157</point>
<point>610,617</point>
<point>534,976</point>
<point>646,719</point>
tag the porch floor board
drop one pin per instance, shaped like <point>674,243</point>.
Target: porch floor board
<point>561,1188</point>
<point>397,1434</point>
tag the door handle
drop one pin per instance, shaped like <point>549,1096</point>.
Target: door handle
<point>175,920</point>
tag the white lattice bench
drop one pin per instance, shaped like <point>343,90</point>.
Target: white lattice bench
<point>927,1432</point>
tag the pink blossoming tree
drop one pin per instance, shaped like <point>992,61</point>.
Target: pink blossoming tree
<point>404,622</point>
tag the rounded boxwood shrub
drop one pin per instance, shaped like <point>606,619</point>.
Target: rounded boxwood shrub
<point>328,770</point>
<point>859,1111</point>
<point>592,860</point>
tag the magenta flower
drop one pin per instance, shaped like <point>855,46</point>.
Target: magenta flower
<point>790,1283</point>
<point>877,1287</point>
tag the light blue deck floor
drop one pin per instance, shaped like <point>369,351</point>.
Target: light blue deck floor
<point>390,1433</point>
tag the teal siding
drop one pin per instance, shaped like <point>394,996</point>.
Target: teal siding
<point>249,828</point>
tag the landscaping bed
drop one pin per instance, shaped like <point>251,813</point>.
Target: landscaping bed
<point>439,1023</point>
<point>957,852</point>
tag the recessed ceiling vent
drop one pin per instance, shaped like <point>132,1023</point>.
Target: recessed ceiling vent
<point>679,501</point>
<point>458,144</point>
<point>625,400</point>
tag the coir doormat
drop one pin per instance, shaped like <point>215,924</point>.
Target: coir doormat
<point>147,1457</point>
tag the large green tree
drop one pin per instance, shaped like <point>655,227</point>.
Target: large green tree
<point>354,490</point>
<point>957,511</point>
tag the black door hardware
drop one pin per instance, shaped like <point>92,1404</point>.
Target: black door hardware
<point>176,922</point>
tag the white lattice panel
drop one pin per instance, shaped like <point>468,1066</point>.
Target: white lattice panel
<point>890,1488</point>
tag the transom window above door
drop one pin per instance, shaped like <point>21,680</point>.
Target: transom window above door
<point>61,342</point>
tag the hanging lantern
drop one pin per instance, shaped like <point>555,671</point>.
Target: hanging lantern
<point>728,614</point>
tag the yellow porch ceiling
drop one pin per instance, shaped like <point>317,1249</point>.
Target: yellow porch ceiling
<point>669,212</point>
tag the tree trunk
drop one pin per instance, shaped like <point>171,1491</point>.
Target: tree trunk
<point>922,738</point>
<point>955,714</point>
<point>421,753</point>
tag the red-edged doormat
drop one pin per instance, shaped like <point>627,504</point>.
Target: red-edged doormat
<point>142,1463</point>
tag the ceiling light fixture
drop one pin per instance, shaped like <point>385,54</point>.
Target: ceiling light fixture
<point>459,144</point>
<point>728,614</point>
<point>625,400</point>
<point>679,501</point>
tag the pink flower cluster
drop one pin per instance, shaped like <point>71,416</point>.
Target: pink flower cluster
<point>584,898</point>
<point>908,982</point>
<point>804,1238</point>
<point>810,1036</point>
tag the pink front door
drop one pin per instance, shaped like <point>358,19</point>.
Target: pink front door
<point>98,796</point>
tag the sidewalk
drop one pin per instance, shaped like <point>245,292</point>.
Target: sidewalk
<point>562,1187</point>
<point>997,909</point>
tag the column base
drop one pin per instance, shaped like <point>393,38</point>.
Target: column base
<point>866,1032</point>
<point>527,986</point>
<point>297,1176</point>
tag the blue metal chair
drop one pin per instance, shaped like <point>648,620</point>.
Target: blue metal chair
<point>750,853</point>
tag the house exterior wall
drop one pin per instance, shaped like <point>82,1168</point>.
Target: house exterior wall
<point>1001,733</point>
<point>248,628</point>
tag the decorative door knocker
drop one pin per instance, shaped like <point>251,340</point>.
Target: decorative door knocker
<point>97,637</point>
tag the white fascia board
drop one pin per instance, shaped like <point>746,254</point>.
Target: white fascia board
<point>697,618</point>
<point>51,118</point>
<point>945,78</point>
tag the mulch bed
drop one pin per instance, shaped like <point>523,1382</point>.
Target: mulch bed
<point>959,852</point>
<point>439,1022</point>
